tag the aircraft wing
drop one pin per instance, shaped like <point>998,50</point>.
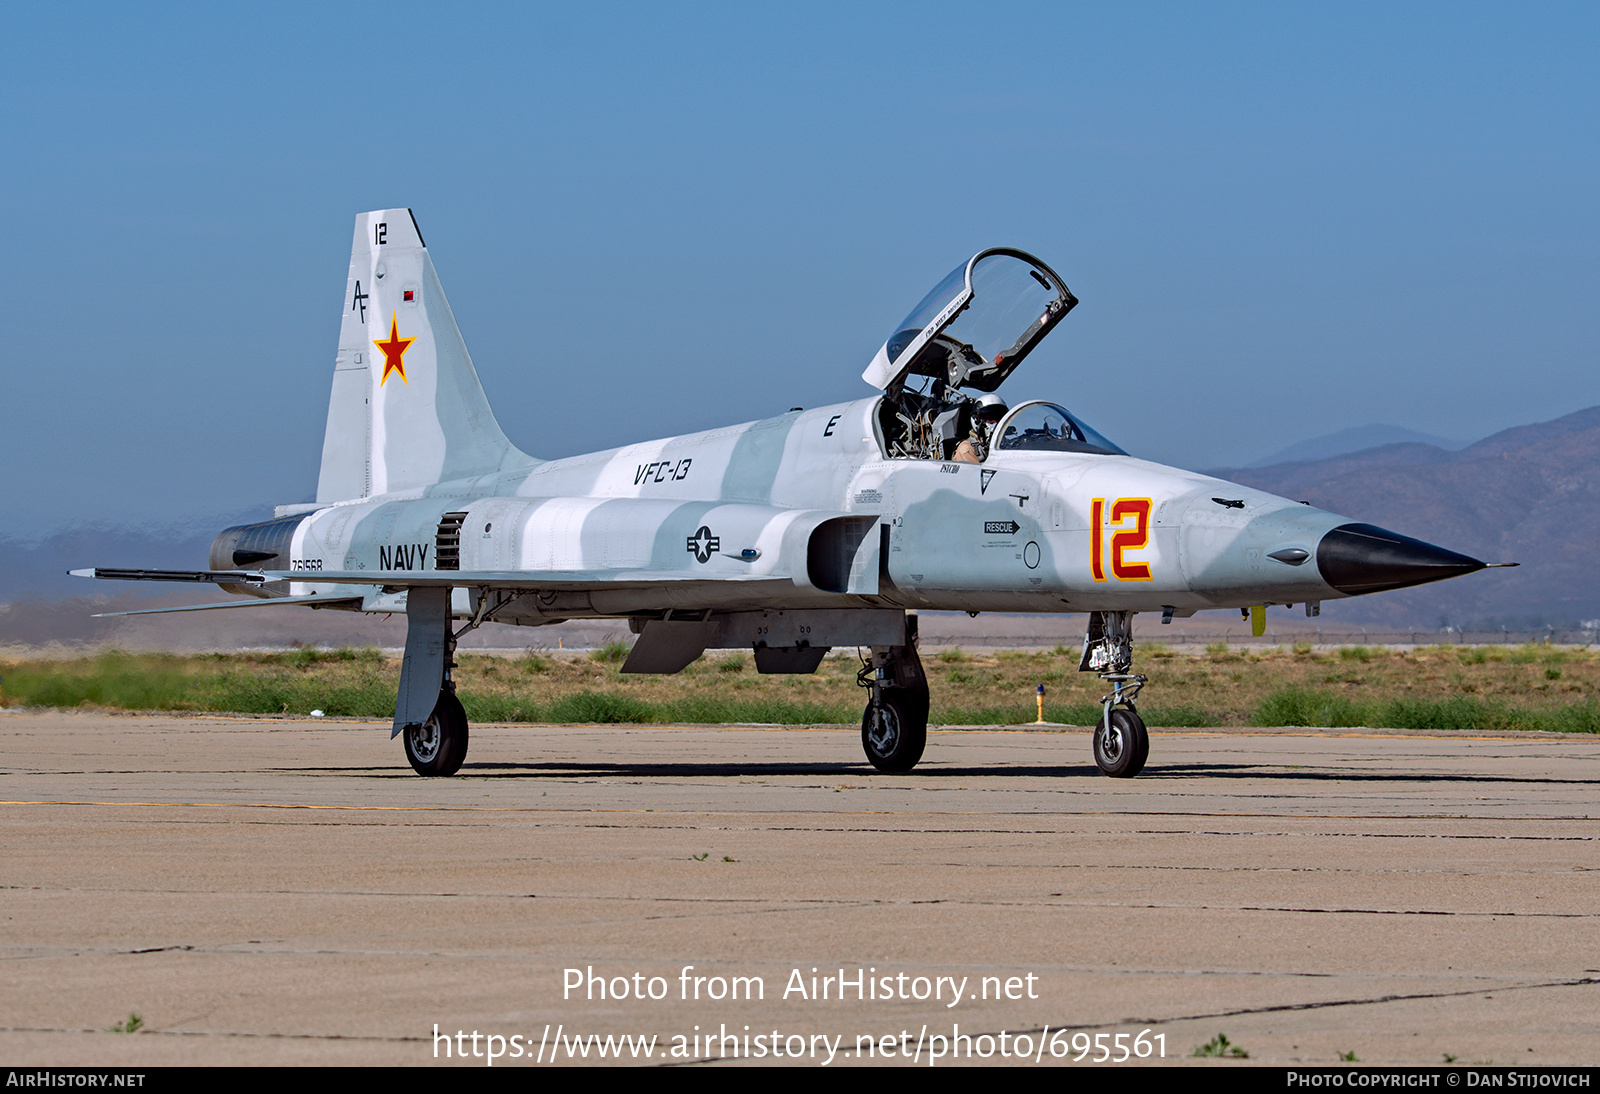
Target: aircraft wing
<point>499,579</point>
<point>524,579</point>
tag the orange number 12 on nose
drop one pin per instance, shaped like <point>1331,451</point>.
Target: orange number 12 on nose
<point>1124,538</point>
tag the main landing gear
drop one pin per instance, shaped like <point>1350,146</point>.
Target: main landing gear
<point>428,716</point>
<point>894,727</point>
<point>1121,742</point>
<point>439,745</point>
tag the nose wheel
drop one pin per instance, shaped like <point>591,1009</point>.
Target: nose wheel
<point>1121,742</point>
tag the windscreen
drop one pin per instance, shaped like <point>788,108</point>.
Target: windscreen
<point>1046,427</point>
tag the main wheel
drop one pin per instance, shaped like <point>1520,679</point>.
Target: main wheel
<point>439,745</point>
<point>895,732</point>
<point>1120,751</point>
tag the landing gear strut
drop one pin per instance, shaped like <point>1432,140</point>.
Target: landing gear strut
<point>427,713</point>
<point>894,727</point>
<point>1121,742</point>
<point>438,746</point>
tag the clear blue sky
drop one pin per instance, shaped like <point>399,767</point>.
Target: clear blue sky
<point>1282,219</point>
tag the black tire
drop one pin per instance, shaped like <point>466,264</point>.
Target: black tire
<point>895,738</point>
<point>1121,752</point>
<point>439,745</point>
<point>1142,738</point>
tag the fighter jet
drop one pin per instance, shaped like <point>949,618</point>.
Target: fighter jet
<point>789,536</point>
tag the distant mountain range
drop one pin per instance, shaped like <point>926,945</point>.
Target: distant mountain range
<point>1355,439</point>
<point>37,569</point>
<point>1529,495</point>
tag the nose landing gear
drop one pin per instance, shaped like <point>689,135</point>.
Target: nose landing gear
<point>1121,742</point>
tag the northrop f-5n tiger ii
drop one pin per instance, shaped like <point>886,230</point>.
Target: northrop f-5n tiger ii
<point>788,536</point>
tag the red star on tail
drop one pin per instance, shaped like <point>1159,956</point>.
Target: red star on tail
<point>394,351</point>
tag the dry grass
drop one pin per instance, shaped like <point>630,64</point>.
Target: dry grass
<point>1435,687</point>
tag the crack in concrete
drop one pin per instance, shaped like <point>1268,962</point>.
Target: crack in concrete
<point>1581,981</point>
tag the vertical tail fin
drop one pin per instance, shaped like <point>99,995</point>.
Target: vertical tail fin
<point>407,409</point>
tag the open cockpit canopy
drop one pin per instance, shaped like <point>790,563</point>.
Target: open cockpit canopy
<point>977,324</point>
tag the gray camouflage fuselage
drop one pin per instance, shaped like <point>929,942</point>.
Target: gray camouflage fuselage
<point>1010,534</point>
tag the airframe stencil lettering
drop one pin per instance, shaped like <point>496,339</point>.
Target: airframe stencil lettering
<point>662,471</point>
<point>403,556</point>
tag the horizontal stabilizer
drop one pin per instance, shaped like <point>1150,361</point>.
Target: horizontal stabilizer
<point>320,600</point>
<point>203,577</point>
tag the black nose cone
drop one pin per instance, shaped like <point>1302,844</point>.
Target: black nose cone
<point>1362,558</point>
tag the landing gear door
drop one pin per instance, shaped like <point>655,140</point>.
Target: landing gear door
<point>977,325</point>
